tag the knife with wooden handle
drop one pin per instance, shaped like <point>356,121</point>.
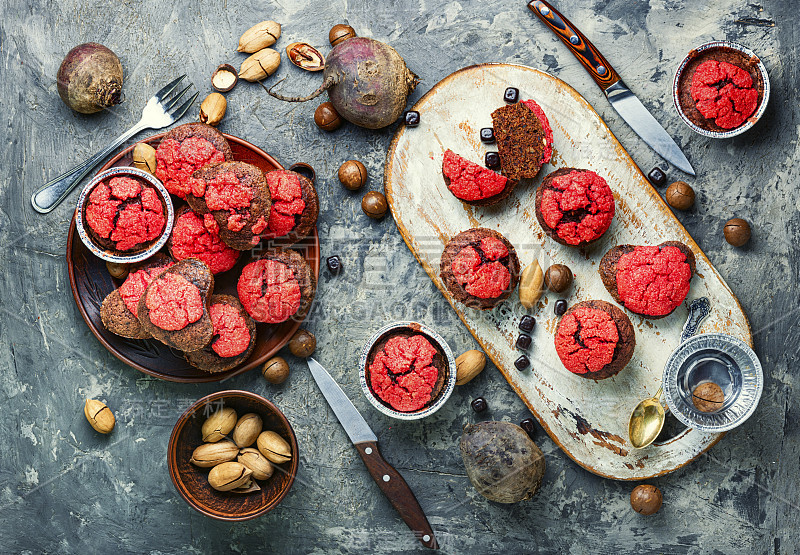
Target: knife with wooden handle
<point>617,92</point>
<point>389,480</point>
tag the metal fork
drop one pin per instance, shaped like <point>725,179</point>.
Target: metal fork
<point>160,111</point>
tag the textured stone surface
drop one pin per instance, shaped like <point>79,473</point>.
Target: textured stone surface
<point>65,488</point>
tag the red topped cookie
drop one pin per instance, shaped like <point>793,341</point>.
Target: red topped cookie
<point>233,338</point>
<point>724,93</point>
<point>547,153</point>
<point>574,207</point>
<point>190,238</point>
<point>651,281</point>
<point>295,206</point>
<point>595,339</point>
<point>473,183</point>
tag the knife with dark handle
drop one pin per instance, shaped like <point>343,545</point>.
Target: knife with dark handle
<point>619,95</point>
<point>389,480</point>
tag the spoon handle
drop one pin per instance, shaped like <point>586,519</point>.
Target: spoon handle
<point>698,310</point>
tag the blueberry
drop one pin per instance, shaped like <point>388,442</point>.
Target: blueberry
<point>657,176</point>
<point>522,362</point>
<point>529,426</point>
<point>511,95</point>
<point>480,404</point>
<point>487,135</point>
<point>411,118</point>
<point>524,341</point>
<point>560,307</point>
<point>334,265</point>
<point>526,323</point>
<point>492,160</point>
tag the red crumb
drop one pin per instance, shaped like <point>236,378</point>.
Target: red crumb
<point>470,181</point>
<point>177,161</point>
<point>191,239</point>
<point>134,285</point>
<point>269,291</point>
<point>403,375</point>
<point>548,131</point>
<point>653,280</point>
<point>210,223</point>
<point>724,92</point>
<point>173,302</point>
<point>586,339</point>
<point>579,206</point>
<point>483,277</point>
<point>287,202</point>
<point>127,212</point>
<point>230,330</point>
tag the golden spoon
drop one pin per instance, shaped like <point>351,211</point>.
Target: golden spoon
<point>646,421</point>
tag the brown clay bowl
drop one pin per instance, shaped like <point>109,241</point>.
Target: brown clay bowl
<point>91,282</point>
<point>192,482</point>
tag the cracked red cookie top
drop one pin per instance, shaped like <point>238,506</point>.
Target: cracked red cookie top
<point>586,339</point>
<point>231,335</point>
<point>134,285</point>
<point>470,181</point>
<point>228,193</point>
<point>402,372</point>
<point>174,302</point>
<point>176,161</point>
<point>287,202</point>
<point>269,291</point>
<point>480,270</point>
<point>191,238</point>
<point>547,154</point>
<point>724,93</point>
<point>653,281</point>
<point>124,213</point>
<point>575,207</point>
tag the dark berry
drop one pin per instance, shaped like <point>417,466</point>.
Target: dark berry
<point>411,118</point>
<point>657,176</point>
<point>479,404</point>
<point>560,307</point>
<point>526,323</point>
<point>523,341</point>
<point>511,95</point>
<point>334,265</point>
<point>522,363</point>
<point>529,426</point>
<point>487,135</point>
<point>492,160</point>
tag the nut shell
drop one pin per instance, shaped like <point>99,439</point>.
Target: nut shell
<point>260,65</point>
<point>212,454</point>
<point>737,232</point>
<point>228,476</point>
<point>340,33</point>
<point>274,447</point>
<point>224,78</point>
<point>646,499</point>
<point>353,175</point>
<point>218,425</point>
<point>99,416</point>
<point>144,158</point>
<point>327,118</point>
<point>469,365</point>
<point>303,343</point>
<point>213,108</point>
<point>255,461</point>
<point>247,429</point>
<point>680,195</point>
<point>558,278</point>
<point>374,205</point>
<point>708,397</point>
<point>117,270</point>
<point>530,285</point>
<point>276,370</point>
<point>259,36</point>
<point>305,56</point>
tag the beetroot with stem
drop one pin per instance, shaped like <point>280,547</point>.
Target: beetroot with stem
<point>367,81</point>
<point>90,78</point>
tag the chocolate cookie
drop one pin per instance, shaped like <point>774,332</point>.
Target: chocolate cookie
<point>473,184</point>
<point>295,206</point>
<point>190,238</point>
<point>233,339</point>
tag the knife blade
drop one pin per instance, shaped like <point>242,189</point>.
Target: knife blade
<point>617,92</point>
<point>389,480</point>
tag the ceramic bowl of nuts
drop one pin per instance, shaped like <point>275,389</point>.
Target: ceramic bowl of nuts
<point>232,455</point>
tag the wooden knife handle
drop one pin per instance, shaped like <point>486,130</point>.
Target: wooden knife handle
<point>589,57</point>
<point>396,489</point>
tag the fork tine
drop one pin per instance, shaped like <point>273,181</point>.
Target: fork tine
<point>172,102</point>
<point>168,88</point>
<point>178,113</point>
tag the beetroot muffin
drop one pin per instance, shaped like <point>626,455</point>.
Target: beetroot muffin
<point>472,183</point>
<point>521,140</point>
<point>295,206</point>
<point>278,286</point>
<point>233,339</point>
<point>191,239</point>
<point>720,89</point>
<point>118,311</point>
<point>234,201</point>
<point>174,307</point>
<point>547,153</point>
<point>650,281</point>
<point>406,370</point>
<point>574,207</point>
<point>186,149</point>
<point>594,339</point>
<point>480,268</point>
<point>125,215</point>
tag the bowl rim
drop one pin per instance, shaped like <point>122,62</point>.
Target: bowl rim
<point>450,384</point>
<point>752,120</point>
<point>96,249</point>
<point>672,386</point>
<point>172,463</point>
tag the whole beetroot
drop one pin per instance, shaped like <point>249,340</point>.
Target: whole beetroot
<point>367,81</point>
<point>502,461</point>
<point>90,78</point>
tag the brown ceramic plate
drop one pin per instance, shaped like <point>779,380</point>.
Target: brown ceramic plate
<point>91,282</point>
<point>192,482</point>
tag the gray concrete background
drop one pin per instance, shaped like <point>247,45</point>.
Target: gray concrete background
<point>65,488</point>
